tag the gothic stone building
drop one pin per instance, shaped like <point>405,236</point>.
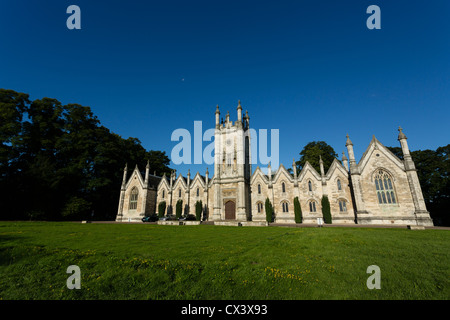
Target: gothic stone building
<point>380,189</point>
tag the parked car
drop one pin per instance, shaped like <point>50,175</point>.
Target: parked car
<point>189,217</point>
<point>150,218</point>
<point>168,217</point>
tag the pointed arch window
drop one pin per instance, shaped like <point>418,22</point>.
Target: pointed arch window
<point>179,193</point>
<point>312,206</point>
<point>339,185</point>
<point>133,199</point>
<point>259,189</point>
<point>260,207</point>
<point>385,188</point>
<point>342,206</point>
<point>198,192</point>
<point>163,193</point>
<point>283,187</point>
<point>285,206</point>
<point>310,186</point>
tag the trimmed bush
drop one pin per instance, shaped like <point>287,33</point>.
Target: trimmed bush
<point>179,209</point>
<point>198,210</point>
<point>326,211</point>
<point>269,211</point>
<point>161,209</point>
<point>297,211</point>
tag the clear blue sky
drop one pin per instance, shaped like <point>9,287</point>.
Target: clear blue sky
<point>311,69</point>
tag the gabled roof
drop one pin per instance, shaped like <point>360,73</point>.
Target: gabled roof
<point>281,169</point>
<point>258,172</point>
<point>336,165</point>
<point>376,145</point>
<point>308,167</point>
<point>135,173</point>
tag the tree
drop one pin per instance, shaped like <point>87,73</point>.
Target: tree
<point>179,208</point>
<point>161,209</point>
<point>57,161</point>
<point>297,211</point>
<point>313,151</point>
<point>326,211</point>
<point>269,210</point>
<point>198,210</point>
<point>433,170</point>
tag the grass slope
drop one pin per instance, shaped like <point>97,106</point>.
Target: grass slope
<point>120,261</point>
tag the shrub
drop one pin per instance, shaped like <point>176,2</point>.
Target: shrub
<point>297,211</point>
<point>161,209</point>
<point>326,211</point>
<point>179,208</point>
<point>269,211</point>
<point>198,210</point>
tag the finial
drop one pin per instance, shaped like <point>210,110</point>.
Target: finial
<point>217,109</point>
<point>320,159</point>
<point>148,164</point>
<point>207,170</point>
<point>239,104</point>
<point>401,135</point>
<point>349,142</point>
<point>344,156</point>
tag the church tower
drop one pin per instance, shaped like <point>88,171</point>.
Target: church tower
<point>232,167</point>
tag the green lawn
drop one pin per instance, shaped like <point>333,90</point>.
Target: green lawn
<point>142,261</point>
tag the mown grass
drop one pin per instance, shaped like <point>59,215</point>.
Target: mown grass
<point>137,261</point>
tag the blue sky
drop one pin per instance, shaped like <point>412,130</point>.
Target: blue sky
<point>311,69</point>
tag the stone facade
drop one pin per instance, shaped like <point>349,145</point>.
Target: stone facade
<point>380,189</point>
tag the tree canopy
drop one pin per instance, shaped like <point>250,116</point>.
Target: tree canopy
<point>312,153</point>
<point>433,170</point>
<point>58,162</point>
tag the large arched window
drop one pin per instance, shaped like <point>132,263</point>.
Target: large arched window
<point>133,199</point>
<point>385,188</point>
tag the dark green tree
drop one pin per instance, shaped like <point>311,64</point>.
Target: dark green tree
<point>198,210</point>
<point>326,210</point>
<point>269,210</point>
<point>179,208</point>
<point>312,152</point>
<point>161,209</point>
<point>297,211</point>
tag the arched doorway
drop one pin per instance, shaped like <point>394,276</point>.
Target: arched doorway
<point>230,210</point>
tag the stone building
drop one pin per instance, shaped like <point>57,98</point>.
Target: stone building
<point>379,189</point>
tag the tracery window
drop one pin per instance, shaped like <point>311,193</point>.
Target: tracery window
<point>133,199</point>
<point>384,188</point>
<point>285,206</point>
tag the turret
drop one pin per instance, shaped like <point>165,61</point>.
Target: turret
<point>217,117</point>
<point>344,161</point>
<point>239,113</point>
<point>147,172</point>
<point>351,155</point>
<point>124,178</point>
